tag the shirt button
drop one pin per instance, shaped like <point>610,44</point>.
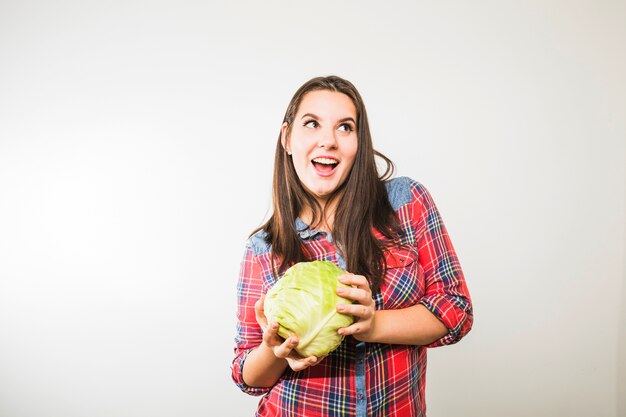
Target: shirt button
<point>359,396</point>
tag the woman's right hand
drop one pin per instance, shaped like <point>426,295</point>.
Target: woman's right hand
<point>281,348</point>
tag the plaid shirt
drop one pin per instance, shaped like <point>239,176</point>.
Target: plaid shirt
<point>364,379</point>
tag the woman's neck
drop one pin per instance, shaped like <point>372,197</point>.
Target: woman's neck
<point>327,216</point>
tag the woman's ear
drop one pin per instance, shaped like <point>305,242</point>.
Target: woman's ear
<point>284,140</point>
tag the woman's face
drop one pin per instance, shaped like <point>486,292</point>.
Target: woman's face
<point>323,141</point>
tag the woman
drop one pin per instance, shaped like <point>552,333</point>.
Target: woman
<point>408,288</point>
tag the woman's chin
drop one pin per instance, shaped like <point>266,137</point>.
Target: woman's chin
<point>321,190</point>
<point>323,194</point>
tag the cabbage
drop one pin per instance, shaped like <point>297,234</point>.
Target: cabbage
<point>303,302</point>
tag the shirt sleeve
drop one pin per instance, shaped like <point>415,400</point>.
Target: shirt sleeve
<point>446,294</point>
<point>248,332</point>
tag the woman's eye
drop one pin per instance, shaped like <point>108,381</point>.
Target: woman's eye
<point>345,127</point>
<point>311,123</point>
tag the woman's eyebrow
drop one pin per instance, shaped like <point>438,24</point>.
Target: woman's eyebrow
<point>314,116</point>
<point>347,119</point>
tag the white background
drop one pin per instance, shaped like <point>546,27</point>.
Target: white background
<point>136,150</point>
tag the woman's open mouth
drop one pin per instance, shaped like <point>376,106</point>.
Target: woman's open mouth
<point>325,166</point>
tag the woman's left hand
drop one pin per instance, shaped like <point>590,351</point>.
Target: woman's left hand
<point>364,308</point>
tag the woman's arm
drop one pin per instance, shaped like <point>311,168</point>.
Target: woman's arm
<point>444,313</point>
<point>262,367</point>
<point>414,325</point>
<point>266,363</point>
<point>261,356</point>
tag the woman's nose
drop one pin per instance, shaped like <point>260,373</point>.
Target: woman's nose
<point>328,140</point>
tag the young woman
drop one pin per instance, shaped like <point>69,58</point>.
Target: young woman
<point>330,203</point>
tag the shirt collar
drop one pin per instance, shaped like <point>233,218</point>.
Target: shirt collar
<point>304,230</point>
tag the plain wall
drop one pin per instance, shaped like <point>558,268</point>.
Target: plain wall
<point>621,376</point>
<point>136,150</point>
<point>621,373</point>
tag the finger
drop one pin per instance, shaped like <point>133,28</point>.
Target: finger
<point>270,334</point>
<point>358,327</point>
<point>357,310</point>
<point>311,360</point>
<point>259,311</point>
<point>298,364</point>
<point>259,305</point>
<point>286,347</point>
<point>358,281</point>
<point>359,295</point>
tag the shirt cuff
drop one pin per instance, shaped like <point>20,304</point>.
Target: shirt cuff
<point>454,312</point>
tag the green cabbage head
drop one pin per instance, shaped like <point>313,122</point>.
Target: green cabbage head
<point>303,302</point>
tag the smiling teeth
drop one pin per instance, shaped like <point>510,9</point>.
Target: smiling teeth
<point>326,161</point>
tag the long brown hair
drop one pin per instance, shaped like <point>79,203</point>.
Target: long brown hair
<point>362,198</point>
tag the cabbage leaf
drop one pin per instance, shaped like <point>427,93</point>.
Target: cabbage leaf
<point>303,302</point>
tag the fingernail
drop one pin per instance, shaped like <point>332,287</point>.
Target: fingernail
<point>341,308</point>
<point>341,290</point>
<point>274,326</point>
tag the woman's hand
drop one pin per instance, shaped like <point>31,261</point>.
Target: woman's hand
<point>281,348</point>
<point>364,308</point>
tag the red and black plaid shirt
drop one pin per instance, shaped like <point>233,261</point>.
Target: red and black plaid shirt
<point>364,379</point>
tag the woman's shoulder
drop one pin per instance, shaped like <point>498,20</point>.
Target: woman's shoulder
<point>258,243</point>
<point>403,190</point>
